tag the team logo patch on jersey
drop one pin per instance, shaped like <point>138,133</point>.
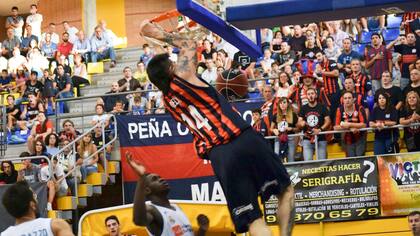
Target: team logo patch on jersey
<point>174,102</point>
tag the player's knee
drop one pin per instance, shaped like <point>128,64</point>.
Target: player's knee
<point>259,228</point>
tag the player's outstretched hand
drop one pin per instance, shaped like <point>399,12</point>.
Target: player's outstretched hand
<point>138,168</point>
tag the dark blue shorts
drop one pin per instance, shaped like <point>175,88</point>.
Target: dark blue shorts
<point>247,168</point>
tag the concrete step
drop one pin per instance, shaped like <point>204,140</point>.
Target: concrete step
<point>94,90</point>
<point>107,82</point>
<point>81,122</point>
<point>16,149</point>
<point>128,52</point>
<point>120,66</point>
<point>107,77</point>
<point>87,104</point>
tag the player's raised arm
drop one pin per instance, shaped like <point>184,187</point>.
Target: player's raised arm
<point>143,215</point>
<point>187,58</point>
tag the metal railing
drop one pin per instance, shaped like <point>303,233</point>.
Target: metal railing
<point>72,146</point>
<point>368,129</point>
<point>3,127</point>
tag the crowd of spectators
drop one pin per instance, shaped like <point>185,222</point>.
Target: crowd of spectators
<point>314,79</point>
<point>68,165</point>
<point>38,66</point>
<point>311,78</point>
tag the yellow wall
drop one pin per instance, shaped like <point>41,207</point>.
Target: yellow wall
<point>113,12</point>
<point>220,223</point>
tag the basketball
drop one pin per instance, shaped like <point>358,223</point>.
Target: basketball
<point>232,84</point>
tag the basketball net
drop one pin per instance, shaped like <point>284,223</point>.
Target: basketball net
<point>174,22</point>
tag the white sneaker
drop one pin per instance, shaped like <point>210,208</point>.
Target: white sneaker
<point>49,206</point>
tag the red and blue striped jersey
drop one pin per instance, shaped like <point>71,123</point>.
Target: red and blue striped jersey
<point>330,83</point>
<point>206,113</point>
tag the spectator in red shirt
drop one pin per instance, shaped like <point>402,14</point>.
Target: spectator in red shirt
<point>378,60</point>
<point>69,132</point>
<point>361,80</point>
<point>65,47</point>
<point>41,128</point>
<point>352,117</point>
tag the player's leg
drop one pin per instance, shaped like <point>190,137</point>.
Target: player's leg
<point>272,179</point>
<point>286,211</point>
<point>259,228</point>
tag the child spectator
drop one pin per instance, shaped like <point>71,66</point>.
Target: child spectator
<point>118,108</point>
<point>257,122</point>
<point>5,80</point>
<point>50,90</point>
<point>100,115</point>
<point>13,114</point>
<point>97,139</point>
<point>138,106</point>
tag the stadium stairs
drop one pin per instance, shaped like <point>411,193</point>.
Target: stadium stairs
<point>101,189</point>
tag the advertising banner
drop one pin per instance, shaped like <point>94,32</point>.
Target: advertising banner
<point>400,184</point>
<point>336,190</point>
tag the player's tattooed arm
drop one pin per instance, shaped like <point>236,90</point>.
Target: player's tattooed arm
<point>187,57</point>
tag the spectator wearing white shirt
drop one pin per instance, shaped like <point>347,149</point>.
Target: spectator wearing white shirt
<point>82,46</point>
<point>267,61</point>
<point>100,116</point>
<point>35,20</point>
<point>37,62</point>
<point>71,30</point>
<point>16,62</point>
<point>55,38</point>
<point>57,184</point>
<point>108,33</point>
<point>101,47</point>
<point>210,74</point>
<point>337,33</point>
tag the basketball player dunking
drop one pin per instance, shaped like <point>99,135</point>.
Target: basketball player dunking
<point>242,160</point>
